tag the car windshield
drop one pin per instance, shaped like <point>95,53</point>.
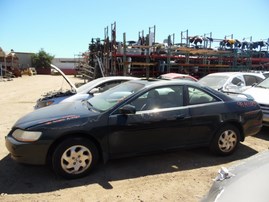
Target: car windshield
<point>85,88</point>
<point>264,83</point>
<point>113,96</point>
<point>214,81</point>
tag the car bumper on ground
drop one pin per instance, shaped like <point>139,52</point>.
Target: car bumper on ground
<point>28,153</point>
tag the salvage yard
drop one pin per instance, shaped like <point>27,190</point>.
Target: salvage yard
<point>183,175</point>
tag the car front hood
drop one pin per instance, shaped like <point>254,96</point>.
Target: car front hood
<point>77,97</point>
<point>261,95</point>
<point>55,114</point>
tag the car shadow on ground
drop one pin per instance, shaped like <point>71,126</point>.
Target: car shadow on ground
<point>18,179</point>
<point>264,134</point>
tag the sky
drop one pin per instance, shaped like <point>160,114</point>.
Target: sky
<point>64,28</point>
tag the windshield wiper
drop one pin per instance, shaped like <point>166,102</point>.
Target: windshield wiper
<point>89,104</point>
<point>91,107</point>
<point>262,87</point>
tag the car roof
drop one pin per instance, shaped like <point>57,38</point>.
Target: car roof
<point>116,77</point>
<point>152,83</point>
<point>93,83</point>
<point>173,75</point>
<point>160,82</point>
<point>236,73</point>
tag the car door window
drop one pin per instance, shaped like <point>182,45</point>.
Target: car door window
<point>160,98</point>
<point>250,79</point>
<point>237,81</point>
<point>197,96</point>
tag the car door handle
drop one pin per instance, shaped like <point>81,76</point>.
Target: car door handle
<point>173,118</point>
<point>180,116</point>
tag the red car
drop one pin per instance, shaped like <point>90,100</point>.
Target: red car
<point>177,76</point>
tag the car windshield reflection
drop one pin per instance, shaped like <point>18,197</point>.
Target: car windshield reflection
<point>215,82</point>
<point>264,84</point>
<point>110,98</point>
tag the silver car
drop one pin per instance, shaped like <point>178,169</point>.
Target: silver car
<point>260,93</point>
<point>236,82</point>
<point>83,92</point>
<point>247,181</point>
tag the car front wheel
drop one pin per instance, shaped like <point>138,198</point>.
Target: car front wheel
<point>74,158</point>
<point>226,140</point>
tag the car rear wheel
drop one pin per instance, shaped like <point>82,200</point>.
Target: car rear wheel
<point>74,158</point>
<point>226,140</point>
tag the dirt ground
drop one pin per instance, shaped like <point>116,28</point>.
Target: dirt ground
<point>184,175</point>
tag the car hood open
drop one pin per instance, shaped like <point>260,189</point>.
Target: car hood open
<point>73,87</point>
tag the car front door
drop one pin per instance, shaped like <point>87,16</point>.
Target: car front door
<point>205,110</point>
<point>160,122</point>
<point>235,84</point>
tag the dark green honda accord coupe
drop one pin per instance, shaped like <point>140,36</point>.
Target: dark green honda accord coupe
<point>133,118</point>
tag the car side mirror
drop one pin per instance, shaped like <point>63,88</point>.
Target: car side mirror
<point>94,90</point>
<point>127,109</point>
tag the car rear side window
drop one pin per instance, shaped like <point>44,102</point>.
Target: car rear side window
<point>197,96</point>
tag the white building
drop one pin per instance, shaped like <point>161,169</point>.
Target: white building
<point>67,65</point>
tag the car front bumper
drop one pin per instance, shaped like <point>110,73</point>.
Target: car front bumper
<point>266,119</point>
<point>265,110</point>
<point>28,153</point>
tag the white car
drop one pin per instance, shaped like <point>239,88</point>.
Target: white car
<point>83,92</point>
<point>246,181</point>
<point>260,93</point>
<point>236,82</point>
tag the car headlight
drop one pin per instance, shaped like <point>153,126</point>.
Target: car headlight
<point>45,103</point>
<point>26,136</point>
<point>41,104</point>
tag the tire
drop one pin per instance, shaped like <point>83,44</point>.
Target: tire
<point>225,141</point>
<point>74,158</point>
